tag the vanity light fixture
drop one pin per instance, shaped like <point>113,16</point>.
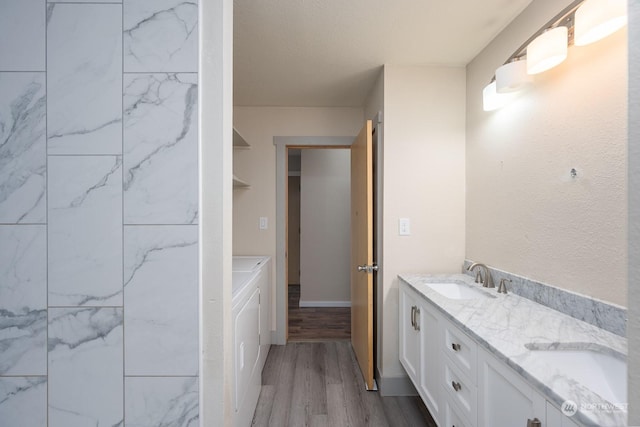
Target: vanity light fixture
<point>547,50</point>
<point>513,76</point>
<point>584,21</point>
<point>596,19</point>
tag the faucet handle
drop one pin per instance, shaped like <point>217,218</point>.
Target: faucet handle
<point>502,287</point>
<point>478,277</point>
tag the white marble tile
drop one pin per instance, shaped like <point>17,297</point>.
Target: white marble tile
<point>23,155</point>
<point>161,297</point>
<point>23,401</point>
<point>85,367</point>
<point>22,35</point>
<point>161,149</point>
<point>85,230</point>
<point>161,401</point>
<point>84,78</point>
<point>23,299</point>
<point>161,35</point>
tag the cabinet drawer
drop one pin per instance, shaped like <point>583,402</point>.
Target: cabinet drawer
<point>462,350</point>
<point>461,390</point>
<point>452,418</point>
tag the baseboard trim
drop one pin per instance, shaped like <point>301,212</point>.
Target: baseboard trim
<point>395,386</point>
<point>325,304</point>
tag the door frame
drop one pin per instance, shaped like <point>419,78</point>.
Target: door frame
<point>283,143</point>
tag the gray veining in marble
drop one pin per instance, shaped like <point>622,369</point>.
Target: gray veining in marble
<point>85,230</point>
<point>610,317</point>
<point>508,325</point>
<point>161,35</point>
<point>84,78</point>
<point>161,300</point>
<point>161,149</point>
<point>162,402</point>
<point>22,148</point>
<point>23,401</point>
<point>23,300</point>
<point>85,367</point>
<point>22,32</point>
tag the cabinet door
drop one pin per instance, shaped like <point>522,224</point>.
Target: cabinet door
<point>409,335</point>
<point>430,328</point>
<point>504,399</point>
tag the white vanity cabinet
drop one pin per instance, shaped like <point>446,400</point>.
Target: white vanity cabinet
<point>420,335</point>
<point>461,383</point>
<point>409,334</point>
<point>505,399</point>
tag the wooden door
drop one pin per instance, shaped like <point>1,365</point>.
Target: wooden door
<point>293,251</point>
<point>362,263</point>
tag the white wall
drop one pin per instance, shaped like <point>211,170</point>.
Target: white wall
<point>525,214</point>
<point>216,88</point>
<point>424,143</point>
<point>325,221</point>
<point>258,125</point>
<point>633,327</point>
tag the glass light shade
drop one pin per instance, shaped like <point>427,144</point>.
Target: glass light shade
<point>596,19</point>
<point>512,77</point>
<point>547,50</point>
<point>492,100</point>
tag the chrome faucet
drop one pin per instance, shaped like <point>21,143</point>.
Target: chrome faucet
<point>487,282</point>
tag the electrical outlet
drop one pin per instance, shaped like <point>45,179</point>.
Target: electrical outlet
<point>264,223</point>
<point>404,227</point>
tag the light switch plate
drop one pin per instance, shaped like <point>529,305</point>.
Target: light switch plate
<point>264,223</point>
<point>404,227</point>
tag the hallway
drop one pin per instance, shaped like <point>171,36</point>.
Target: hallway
<point>318,384</point>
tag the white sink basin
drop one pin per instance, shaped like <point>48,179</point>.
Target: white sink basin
<point>604,374</point>
<point>457,290</point>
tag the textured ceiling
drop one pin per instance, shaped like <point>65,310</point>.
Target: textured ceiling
<point>329,52</point>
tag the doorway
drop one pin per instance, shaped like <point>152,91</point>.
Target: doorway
<point>318,243</point>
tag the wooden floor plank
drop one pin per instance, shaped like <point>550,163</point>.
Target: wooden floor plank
<point>284,387</point>
<point>265,406</point>
<point>336,406</point>
<point>300,394</point>
<point>271,370</point>
<point>352,386</point>
<point>331,366</point>
<point>316,323</point>
<point>318,384</point>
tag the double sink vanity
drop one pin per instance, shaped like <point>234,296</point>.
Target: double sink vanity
<point>482,358</point>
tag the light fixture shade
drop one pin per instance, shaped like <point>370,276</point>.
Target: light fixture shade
<point>596,19</point>
<point>491,99</point>
<point>512,77</point>
<point>547,50</point>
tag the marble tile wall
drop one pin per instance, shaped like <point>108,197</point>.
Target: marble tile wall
<point>99,213</point>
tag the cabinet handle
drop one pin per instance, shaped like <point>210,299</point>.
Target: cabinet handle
<point>534,423</point>
<point>413,313</point>
<point>456,386</point>
<point>417,318</point>
<point>455,346</point>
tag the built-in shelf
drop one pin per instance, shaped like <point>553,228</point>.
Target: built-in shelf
<point>239,141</point>
<point>238,183</point>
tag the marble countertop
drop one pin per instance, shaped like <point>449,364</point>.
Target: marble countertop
<point>504,325</point>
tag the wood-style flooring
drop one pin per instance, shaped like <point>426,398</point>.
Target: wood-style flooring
<point>316,323</point>
<point>318,384</point>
